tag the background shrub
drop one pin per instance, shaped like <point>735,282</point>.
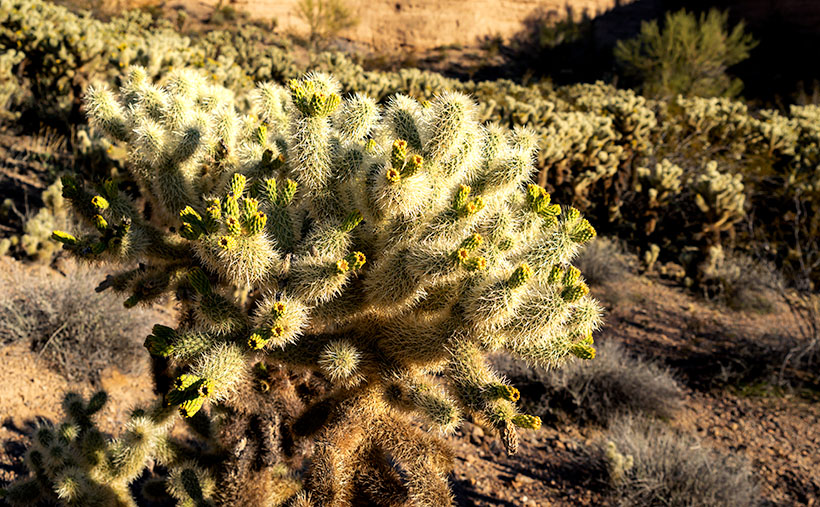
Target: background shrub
<point>78,336</point>
<point>689,55</point>
<point>598,391</point>
<point>646,463</point>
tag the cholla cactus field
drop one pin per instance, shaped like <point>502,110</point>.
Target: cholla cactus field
<point>387,248</point>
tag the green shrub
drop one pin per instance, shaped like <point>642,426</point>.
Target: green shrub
<point>689,55</point>
<point>325,18</point>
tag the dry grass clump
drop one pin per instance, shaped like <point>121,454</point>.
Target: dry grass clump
<point>646,463</point>
<point>598,391</point>
<point>77,336</point>
<point>745,284</point>
<point>604,260</point>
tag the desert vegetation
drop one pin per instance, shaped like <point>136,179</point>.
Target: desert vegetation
<point>338,275</point>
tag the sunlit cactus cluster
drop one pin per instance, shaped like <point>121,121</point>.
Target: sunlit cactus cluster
<point>388,249</point>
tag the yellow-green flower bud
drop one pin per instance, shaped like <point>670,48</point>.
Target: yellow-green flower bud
<point>504,392</point>
<point>398,154</point>
<point>572,214</point>
<point>288,192</point>
<point>473,206</point>
<point>237,185</point>
<point>257,223</point>
<point>520,276</point>
<point>250,206</point>
<point>556,274</point>
<point>110,188</point>
<point>233,225</point>
<point>230,206</point>
<point>582,351</point>
<point>258,339</point>
<point>63,237</point>
<point>189,408</point>
<point>342,266</point>
<point>206,388</point>
<point>355,260</point>
<point>227,242</point>
<point>573,293</point>
<point>476,264</point>
<point>99,202</point>
<point>572,275</point>
<point>190,232</point>
<point>473,242</point>
<point>262,135</point>
<point>461,197</point>
<point>270,189</point>
<point>412,166</point>
<point>393,175</point>
<point>583,232</point>
<point>526,421</point>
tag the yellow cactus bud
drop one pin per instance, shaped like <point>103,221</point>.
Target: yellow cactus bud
<point>99,202</point>
<point>556,274</point>
<point>342,266</point>
<point>356,260</point>
<point>413,166</point>
<point>473,242</point>
<point>63,237</point>
<point>573,293</point>
<point>476,264</point>
<point>258,339</point>
<point>520,276</point>
<point>233,225</point>
<point>227,242</point>
<point>393,176</point>
<point>504,392</point>
<point>572,275</point>
<point>582,351</point>
<point>526,421</point>
<point>237,184</point>
<point>189,408</point>
<point>100,223</point>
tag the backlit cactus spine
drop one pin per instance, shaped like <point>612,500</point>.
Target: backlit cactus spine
<point>387,248</point>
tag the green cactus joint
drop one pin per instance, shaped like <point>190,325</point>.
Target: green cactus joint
<point>64,238</point>
<point>473,206</point>
<point>99,202</point>
<point>262,135</point>
<point>572,214</point>
<point>351,221</point>
<point>582,351</point>
<point>99,223</point>
<point>520,276</point>
<point>526,421</point>
<point>111,188</point>
<point>199,281</point>
<point>233,225</point>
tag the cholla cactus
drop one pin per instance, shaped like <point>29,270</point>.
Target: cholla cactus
<point>657,187</point>
<point>387,248</point>
<point>75,464</point>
